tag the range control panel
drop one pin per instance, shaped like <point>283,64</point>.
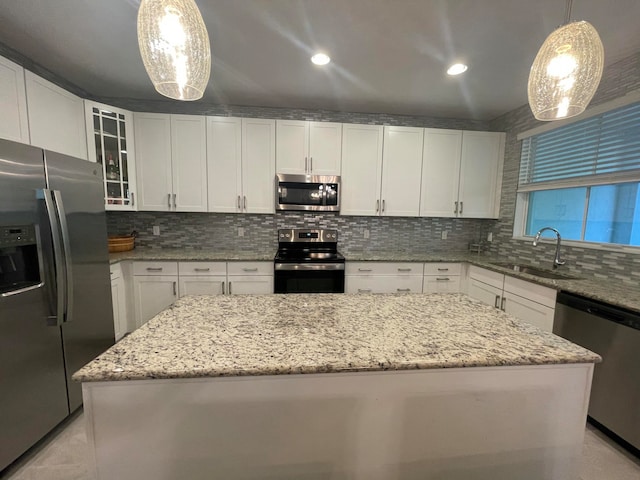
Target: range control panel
<point>307,235</point>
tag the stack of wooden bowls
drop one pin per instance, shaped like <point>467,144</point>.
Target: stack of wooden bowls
<point>121,243</point>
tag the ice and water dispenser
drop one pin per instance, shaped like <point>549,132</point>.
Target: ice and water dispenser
<point>20,267</point>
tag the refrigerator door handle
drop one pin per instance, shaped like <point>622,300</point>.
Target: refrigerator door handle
<point>66,245</point>
<point>61,281</point>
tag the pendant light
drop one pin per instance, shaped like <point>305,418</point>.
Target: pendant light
<point>174,45</point>
<point>567,70</point>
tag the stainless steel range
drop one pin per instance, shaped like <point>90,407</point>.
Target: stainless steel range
<point>308,261</point>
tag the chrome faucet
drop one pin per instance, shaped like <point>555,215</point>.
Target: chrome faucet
<point>556,261</point>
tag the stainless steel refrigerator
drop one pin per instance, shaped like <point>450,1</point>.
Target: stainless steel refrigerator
<point>55,290</point>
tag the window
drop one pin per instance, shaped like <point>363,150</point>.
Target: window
<point>583,179</point>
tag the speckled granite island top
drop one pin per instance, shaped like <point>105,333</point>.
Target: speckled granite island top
<point>211,336</point>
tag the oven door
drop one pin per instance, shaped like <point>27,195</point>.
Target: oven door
<point>308,278</point>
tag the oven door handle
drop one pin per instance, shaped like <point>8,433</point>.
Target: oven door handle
<point>309,266</point>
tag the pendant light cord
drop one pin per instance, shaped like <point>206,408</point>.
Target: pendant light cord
<point>567,12</point>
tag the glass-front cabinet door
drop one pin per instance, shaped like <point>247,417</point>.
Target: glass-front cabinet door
<point>110,141</point>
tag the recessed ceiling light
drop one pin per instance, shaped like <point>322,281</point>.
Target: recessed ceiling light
<point>320,59</point>
<point>457,69</point>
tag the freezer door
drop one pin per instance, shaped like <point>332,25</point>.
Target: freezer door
<point>87,330</point>
<point>33,396</point>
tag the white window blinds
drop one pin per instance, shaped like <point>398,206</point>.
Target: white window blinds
<point>599,150</point>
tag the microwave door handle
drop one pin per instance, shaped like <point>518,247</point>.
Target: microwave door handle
<point>60,281</point>
<point>66,245</point>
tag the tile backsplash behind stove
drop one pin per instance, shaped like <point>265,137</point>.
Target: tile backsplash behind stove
<point>221,231</point>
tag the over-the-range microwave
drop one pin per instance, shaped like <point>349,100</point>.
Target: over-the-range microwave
<point>318,193</point>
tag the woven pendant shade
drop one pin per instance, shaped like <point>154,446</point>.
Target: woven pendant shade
<point>174,45</point>
<point>566,72</point>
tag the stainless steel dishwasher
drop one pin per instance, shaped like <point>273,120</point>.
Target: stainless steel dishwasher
<point>614,334</point>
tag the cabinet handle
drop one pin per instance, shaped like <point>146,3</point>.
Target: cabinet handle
<point>364,270</point>
<point>133,199</point>
<point>154,269</point>
<point>311,165</point>
<point>169,200</point>
<point>229,288</point>
<point>455,210</point>
<point>404,269</point>
<point>249,269</point>
<point>503,303</point>
<point>306,164</point>
<point>175,289</point>
<point>223,288</point>
<point>377,206</point>
<point>497,301</point>
<point>245,202</point>
<point>202,269</point>
<point>175,204</point>
<point>383,205</point>
<point>239,203</point>
<point>443,269</point>
<point>442,279</point>
<point>403,289</point>
<point>364,290</point>
<point>461,205</point>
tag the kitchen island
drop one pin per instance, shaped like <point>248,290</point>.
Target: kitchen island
<point>337,387</point>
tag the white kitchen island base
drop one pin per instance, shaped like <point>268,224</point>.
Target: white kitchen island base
<point>480,423</point>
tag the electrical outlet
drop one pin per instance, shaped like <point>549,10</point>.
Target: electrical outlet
<point>366,233</point>
<point>445,234</point>
<point>490,237</point>
<point>156,230</point>
<point>240,232</point>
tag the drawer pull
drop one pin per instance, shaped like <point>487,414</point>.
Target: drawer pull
<point>154,269</point>
<point>404,269</point>
<point>364,270</point>
<point>503,303</point>
<point>443,279</point>
<point>497,301</point>
<point>223,288</point>
<point>403,289</point>
<point>202,269</point>
<point>364,290</point>
<point>443,269</point>
<point>249,269</point>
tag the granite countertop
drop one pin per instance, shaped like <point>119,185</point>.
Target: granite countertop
<point>213,336</point>
<point>186,255</point>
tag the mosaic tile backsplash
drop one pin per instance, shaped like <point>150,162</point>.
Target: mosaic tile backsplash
<point>220,231</point>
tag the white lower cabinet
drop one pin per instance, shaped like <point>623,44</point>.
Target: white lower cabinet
<point>202,278</point>
<point>530,302</point>
<point>441,278</point>
<point>254,278</point>
<point>119,302</point>
<point>155,287</point>
<point>383,277</point>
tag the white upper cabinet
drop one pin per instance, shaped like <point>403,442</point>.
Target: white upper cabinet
<point>110,144</point>
<point>241,164</point>
<point>461,173</point>
<point>189,163</point>
<point>56,117</point>
<point>311,148</point>
<point>401,171</point>
<point>171,162</point>
<point>14,124</point>
<point>480,174</point>
<point>440,172</point>
<point>361,169</point>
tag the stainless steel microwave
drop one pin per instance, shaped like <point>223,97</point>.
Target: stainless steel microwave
<point>318,193</point>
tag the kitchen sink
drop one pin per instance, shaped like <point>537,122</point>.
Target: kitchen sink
<point>535,271</point>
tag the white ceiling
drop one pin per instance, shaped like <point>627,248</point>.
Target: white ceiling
<point>389,56</point>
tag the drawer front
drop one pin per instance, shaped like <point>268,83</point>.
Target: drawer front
<point>383,284</point>
<point>442,268</point>
<point>384,268</point>
<point>202,269</point>
<point>489,277</point>
<point>250,268</point>
<point>441,284</point>
<point>115,270</point>
<point>531,291</point>
<point>155,268</point>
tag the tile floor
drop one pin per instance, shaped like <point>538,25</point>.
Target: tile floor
<point>61,457</point>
